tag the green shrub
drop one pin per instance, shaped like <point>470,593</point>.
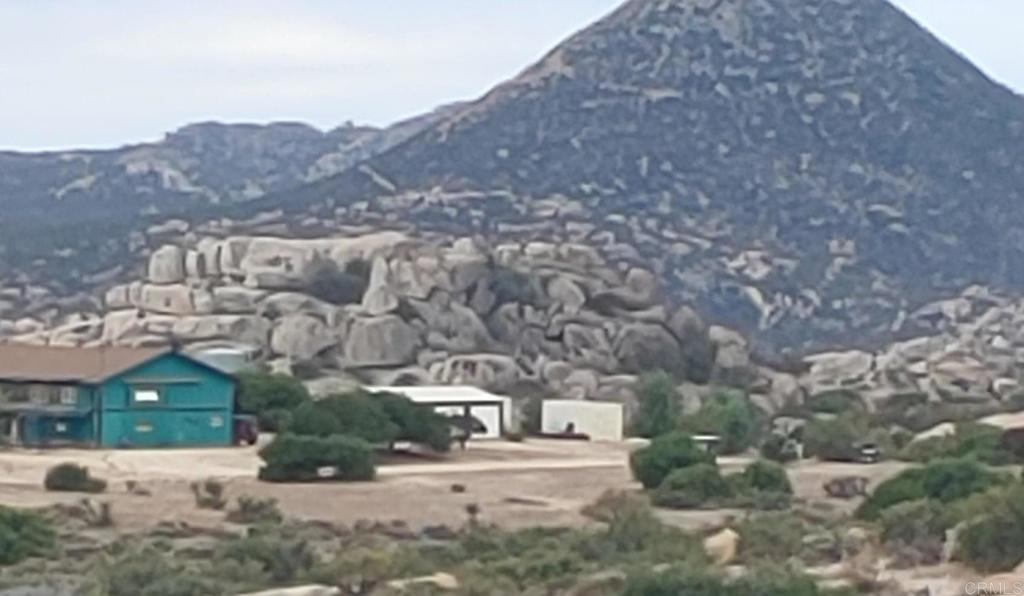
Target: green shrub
<point>270,397</point>
<point>23,534</point>
<point>300,458</point>
<point>767,477</point>
<point>779,448</point>
<point>658,411</point>
<point>945,481</point>
<point>72,477</point>
<point>834,439</point>
<point>915,531</point>
<point>666,453</point>
<point>731,416</point>
<point>693,486</point>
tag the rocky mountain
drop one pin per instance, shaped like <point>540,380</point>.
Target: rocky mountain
<point>199,164</point>
<point>811,172</point>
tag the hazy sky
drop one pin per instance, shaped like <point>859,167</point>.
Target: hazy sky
<point>76,73</point>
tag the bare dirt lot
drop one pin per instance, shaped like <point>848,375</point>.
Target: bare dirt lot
<point>538,482</point>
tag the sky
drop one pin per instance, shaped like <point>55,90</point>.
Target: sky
<point>101,73</point>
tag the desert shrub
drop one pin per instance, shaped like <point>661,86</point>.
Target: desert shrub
<point>666,453</point>
<point>779,448</point>
<point>270,397</point>
<point>72,477</point>
<point>914,531</point>
<point>767,477</point>
<point>731,416</point>
<point>23,534</point>
<point>209,494</point>
<point>979,441</point>
<point>945,481</point>
<point>992,538</point>
<point>149,572</point>
<point>658,411</point>
<point>254,510</point>
<point>834,439</point>
<point>328,282</point>
<point>693,486</point>
<point>631,527</point>
<point>300,458</point>
<point>773,537</point>
<point>282,559</point>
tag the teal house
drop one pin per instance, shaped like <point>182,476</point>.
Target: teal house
<point>112,397</point>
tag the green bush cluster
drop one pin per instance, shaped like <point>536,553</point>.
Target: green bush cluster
<point>658,411</point>
<point>680,474</point>
<point>71,477</point>
<point>944,481</point>
<point>665,454</point>
<point>306,458</point>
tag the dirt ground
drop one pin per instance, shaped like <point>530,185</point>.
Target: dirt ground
<point>538,482</point>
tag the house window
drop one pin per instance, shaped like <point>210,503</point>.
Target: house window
<point>145,396</point>
<point>68,396</point>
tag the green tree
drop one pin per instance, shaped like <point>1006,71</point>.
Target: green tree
<point>270,397</point>
<point>651,464</point>
<point>731,416</point>
<point>416,423</point>
<point>357,414</point>
<point>835,438</point>
<point>659,406</point>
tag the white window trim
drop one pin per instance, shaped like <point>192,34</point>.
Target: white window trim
<point>145,396</point>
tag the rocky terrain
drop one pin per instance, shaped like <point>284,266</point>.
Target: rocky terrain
<point>391,308</point>
<point>817,175</point>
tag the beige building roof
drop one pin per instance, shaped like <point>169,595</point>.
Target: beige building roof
<point>48,364</point>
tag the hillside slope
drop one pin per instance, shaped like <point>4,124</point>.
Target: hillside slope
<point>841,162</point>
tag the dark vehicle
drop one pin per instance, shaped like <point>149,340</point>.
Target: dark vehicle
<point>246,429</point>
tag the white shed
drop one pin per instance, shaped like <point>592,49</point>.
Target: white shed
<point>602,421</point>
<point>494,411</point>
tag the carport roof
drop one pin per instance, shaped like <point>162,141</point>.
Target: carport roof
<point>443,394</point>
<point>50,364</point>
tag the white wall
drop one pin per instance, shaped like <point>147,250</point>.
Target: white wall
<point>601,420</point>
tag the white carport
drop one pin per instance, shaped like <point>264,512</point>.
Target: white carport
<point>461,400</point>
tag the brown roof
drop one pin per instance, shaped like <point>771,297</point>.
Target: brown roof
<point>48,364</point>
